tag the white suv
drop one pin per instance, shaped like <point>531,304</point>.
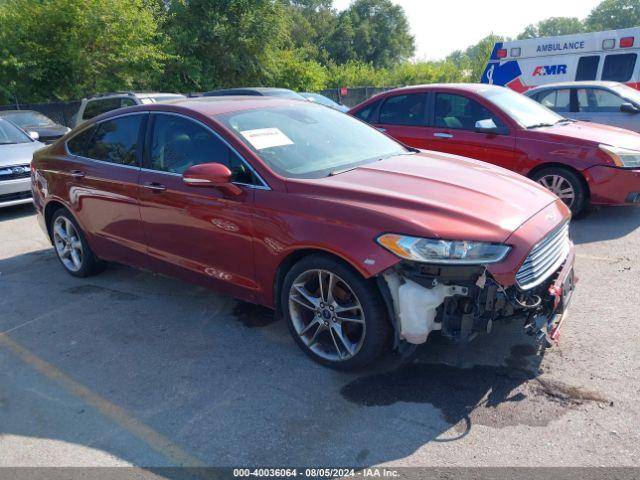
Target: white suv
<point>94,106</point>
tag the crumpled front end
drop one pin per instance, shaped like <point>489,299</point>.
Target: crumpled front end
<point>462,301</point>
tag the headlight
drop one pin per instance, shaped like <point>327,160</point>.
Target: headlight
<point>430,250</point>
<point>622,157</point>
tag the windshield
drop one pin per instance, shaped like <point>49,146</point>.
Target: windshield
<point>28,119</point>
<point>525,111</point>
<point>284,94</point>
<point>308,141</point>
<point>10,134</point>
<point>321,99</point>
<point>627,93</point>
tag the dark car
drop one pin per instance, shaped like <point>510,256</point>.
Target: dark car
<point>31,121</point>
<point>361,243</point>
<point>256,92</point>
<point>323,100</point>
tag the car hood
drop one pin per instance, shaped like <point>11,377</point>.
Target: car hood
<point>18,153</point>
<point>436,195</point>
<point>595,133</point>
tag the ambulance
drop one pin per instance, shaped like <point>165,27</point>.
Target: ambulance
<point>524,64</point>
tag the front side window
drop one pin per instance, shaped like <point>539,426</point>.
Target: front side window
<point>309,141</point>
<point>619,67</point>
<point>587,68</point>
<point>460,112</point>
<point>77,145</point>
<point>404,110</point>
<point>179,143</point>
<point>116,141</point>
<point>556,100</point>
<point>598,100</point>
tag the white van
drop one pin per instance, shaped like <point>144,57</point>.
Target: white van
<point>524,64</point>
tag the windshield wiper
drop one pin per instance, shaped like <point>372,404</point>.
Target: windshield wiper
<point>338,172</point>
<point>539,125</point>
<point>565,120</point>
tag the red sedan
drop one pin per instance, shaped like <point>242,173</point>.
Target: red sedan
<point>580,162</point>
<point>360,243</point>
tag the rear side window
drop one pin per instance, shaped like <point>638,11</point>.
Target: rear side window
<point>78,144</point>
<point>460,112</point>
<point>116,141</point>
<point>588,68</point>
<point>367,114</point>
<point>619,68</point>
<point>556,100</point>
<point>98,107</point>
<point>404,110</point>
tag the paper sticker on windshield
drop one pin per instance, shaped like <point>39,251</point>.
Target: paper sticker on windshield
<point>262,138</point>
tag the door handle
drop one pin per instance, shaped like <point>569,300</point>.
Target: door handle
<point>380,129</point>
<point>154,187</point>
<point>77,173</point>
<point>442,135</point>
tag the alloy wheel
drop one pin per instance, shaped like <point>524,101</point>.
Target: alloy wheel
<point>68,244</point>
<point>559,186</point>
<point>327,315</point>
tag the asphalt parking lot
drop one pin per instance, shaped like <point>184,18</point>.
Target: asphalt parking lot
<point>134,368</point>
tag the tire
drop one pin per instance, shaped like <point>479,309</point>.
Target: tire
<point>67,236</point>
<point>567,185</point>
<point>319,320</point>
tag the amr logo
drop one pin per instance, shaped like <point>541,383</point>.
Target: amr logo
<point>543,70</point>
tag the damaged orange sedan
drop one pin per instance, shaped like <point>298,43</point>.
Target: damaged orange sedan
<point>360,243</point>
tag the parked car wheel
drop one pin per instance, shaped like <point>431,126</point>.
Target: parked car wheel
<point>336,317</point>
<point>566,184</point>
<point>71,246</point>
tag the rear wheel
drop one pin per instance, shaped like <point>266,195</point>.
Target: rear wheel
<point>566,184</point>
<point>71,246</point>
<point>334,315</point>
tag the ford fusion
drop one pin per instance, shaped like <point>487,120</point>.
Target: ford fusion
<point>361,244</point>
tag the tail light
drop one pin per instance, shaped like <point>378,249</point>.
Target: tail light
<point>626,42</point>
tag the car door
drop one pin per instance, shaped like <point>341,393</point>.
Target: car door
<point>403,117</point>
<point>103,186</point>
<point>452,130</point>
<point>601,105</point>
<point>201,234</point>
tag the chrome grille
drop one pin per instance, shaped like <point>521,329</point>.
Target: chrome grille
<point>544,258</point>
<point>14,172</point>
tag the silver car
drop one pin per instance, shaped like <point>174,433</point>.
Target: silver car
<point>610,103</point>
<point>16,151</point>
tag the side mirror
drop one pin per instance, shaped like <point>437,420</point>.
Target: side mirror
<point>33,135</point>
<point>629,107</point>
<point>487,126</point>
<point>214,175</point>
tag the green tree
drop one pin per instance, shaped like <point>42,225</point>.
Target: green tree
<point>614,14</point>
<point>311,26</point>
<point>218,43</point>
<point>295,69</point>
<point>471,62</point>
<point>553,26</point>
<point>378,32</point>
<point>65,49</point>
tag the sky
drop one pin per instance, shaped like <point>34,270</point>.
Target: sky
<point>440,27</point>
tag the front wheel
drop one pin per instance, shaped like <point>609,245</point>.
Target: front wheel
<point>335,316</point>
<point>567,185</point>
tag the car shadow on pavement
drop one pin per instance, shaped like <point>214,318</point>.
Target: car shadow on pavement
<point>16,211</point>
<point>222,381</point>
<point>607,223</point>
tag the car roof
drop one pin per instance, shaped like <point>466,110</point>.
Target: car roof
<point>258,90</point>
<point>19,111</point>
<point>469,87</point>
<point>133,94</point>
<point>584,83</point>
<point>212,106</point>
